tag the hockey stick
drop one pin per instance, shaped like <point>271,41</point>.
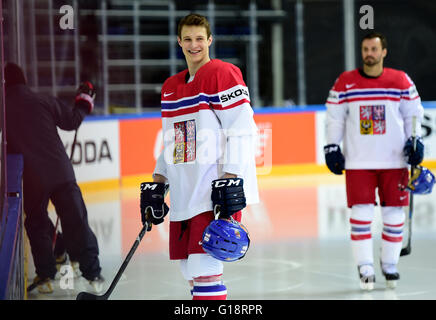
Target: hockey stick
<point>406,250</point>
<point>105,296</point>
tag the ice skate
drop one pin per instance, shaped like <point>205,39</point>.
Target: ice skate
<point>43,285</point>
<point>367,276</point>
<point>391,274</point>
<point>75,265</point>
<point>61,260</point>
<point>97,284</point>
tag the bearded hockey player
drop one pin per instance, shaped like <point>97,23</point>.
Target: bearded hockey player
<point>371,109</point>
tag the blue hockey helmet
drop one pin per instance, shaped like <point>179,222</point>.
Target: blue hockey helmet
<point>226,240</point>
<point>421,182</point>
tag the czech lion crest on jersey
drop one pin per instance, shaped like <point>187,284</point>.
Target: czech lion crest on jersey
<point>185,141</point>
<point>373,119</point>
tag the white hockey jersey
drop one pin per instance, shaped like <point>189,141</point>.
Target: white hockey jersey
<point>373,117</point>
<point>208,130</point>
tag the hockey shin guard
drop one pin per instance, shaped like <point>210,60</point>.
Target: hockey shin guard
<point>206,273</point>
<point>361,239</point>
<point>392,236</point>
<point>209,288</point>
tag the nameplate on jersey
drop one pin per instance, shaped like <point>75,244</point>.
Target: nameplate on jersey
<point>234,96</point>
<point>372,119</point>
<point>185,141</point>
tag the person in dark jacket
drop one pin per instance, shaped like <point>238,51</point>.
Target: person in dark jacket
<point>31,130</point>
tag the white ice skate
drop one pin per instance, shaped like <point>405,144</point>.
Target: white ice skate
<point>367,276</point>
<point>391,274</point>
<point>43,285</point>
<point>97,284</point>
<point>76,269</point>
<point>61,260</point>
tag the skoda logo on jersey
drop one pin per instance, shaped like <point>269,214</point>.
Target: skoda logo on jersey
<point>229,96</point>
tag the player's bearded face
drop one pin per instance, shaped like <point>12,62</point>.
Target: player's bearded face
<point>195,44</point>
<point>372,52</point>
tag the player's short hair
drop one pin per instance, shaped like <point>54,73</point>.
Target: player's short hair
<point>194,19</point>
<point>373,35</point>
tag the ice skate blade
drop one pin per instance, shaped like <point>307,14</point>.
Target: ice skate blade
<point>45,288</point>
<point>369,286</point>
<point>97,284</point>
<point>76,269</point>
<point>391,284</point>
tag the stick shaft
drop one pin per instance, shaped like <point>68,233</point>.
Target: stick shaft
<point>406,250</point>
<point>126,261</point>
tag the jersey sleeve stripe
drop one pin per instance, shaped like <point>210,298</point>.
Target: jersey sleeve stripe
<point>184,111</point>
<point>190,101</point>
<point>396,93</point>
<point>200,106</point>
<point>365,99</point>
<point>233,105</point>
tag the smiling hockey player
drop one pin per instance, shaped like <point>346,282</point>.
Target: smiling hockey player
<point>209,134</point>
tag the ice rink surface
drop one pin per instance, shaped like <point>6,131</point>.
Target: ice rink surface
<point>300,248</point>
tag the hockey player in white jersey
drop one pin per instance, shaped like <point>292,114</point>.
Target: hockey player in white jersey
<point>370,110</point>
<point>208,159</point>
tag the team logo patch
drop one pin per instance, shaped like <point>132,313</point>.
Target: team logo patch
<point>237,234</point>
<point>185,141</point>
<point>373,119</point>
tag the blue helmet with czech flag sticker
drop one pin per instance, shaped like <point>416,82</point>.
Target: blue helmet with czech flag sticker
<point>421,182</point>
<point>226,240</point>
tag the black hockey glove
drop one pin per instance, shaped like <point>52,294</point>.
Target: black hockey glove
<point>228,196</point>
<point>85,96</point>
<point>334,158</point>
<point>414,157</point>
<point>153,206</point>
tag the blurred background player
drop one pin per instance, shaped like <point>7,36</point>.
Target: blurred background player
<point>209,131</point>
<point>371,110</point>
<point>32,121</point>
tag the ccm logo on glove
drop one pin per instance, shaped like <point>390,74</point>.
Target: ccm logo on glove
<point>334,158</point>
<point>148,186</point>
<point>226,183</point>
<point>228,197</point>
<point>152,203</point>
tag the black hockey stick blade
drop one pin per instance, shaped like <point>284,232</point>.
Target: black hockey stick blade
<point>31,287</point>
<point>408,248</point>
<point>105,296</point>
<point>405,251</point>
<point>90,296</point>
